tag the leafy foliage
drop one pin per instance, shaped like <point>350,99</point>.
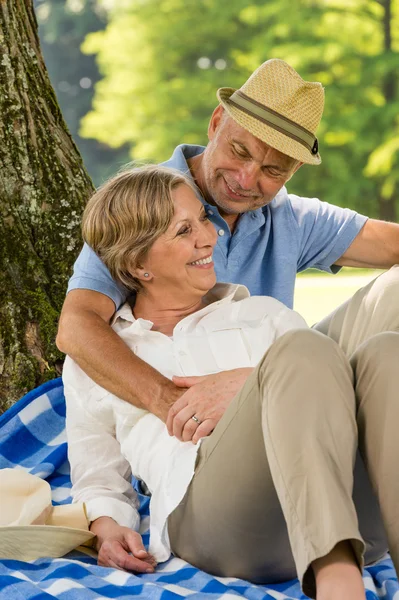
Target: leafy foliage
<point>162,61</point>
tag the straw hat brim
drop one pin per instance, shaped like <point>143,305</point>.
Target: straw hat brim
<point>29,542</point>
<point>267,134</point>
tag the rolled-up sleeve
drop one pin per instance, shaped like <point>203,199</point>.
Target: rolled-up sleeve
<point>100,475</point>
<point>324,232</point>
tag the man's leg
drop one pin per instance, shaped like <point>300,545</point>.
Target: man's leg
<point>376,370</point>
<point>272,490</point>
<point>373,309</point>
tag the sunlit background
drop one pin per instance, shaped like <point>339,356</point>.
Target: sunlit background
<point>134,78</point>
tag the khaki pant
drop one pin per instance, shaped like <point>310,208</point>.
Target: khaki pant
<point>274,487</point>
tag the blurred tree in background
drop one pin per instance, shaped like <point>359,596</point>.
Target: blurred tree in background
<point>63,26</point>
<point>162,61</point>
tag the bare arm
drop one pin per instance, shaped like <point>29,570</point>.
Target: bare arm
<point>85,335</point>
<point>376,247</point>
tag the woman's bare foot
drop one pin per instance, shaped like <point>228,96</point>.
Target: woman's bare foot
<point>338,576</point>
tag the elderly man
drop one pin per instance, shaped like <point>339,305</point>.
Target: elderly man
<point>259,136</point>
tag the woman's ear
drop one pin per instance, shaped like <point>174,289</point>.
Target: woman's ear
<point>142,273</point>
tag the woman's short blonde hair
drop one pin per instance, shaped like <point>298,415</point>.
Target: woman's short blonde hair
<point>127,214</point>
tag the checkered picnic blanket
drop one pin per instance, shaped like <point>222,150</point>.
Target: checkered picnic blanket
<point>32,437</point>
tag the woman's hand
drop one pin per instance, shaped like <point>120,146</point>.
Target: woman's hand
<point>120,547</point>
<point>207,399</point>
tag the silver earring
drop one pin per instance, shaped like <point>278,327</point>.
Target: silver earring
<point>146,274</point>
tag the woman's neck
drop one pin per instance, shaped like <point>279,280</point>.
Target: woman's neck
<point>164,313</point>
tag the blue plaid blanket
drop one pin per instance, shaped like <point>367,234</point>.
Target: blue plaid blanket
<point>32,437</point>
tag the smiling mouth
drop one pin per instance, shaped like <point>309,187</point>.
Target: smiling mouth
<point>202,261</point>
<point>237,193</point>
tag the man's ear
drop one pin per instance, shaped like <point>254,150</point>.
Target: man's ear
<point>215,121</point>
<point>295,169</point>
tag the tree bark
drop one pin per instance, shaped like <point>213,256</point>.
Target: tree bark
<point>43,189</point>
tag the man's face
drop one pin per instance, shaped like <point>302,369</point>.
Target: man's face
<point>238,172</point>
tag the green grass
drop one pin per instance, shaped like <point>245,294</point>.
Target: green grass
<point>317,295</point>
<point>344,272</point>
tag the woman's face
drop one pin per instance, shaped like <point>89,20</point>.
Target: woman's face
<point>180,261</point>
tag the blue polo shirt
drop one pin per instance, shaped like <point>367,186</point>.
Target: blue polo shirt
<point>268,248</point>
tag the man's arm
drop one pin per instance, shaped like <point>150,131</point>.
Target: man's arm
<point>85,335</point>
<point>376,246</point>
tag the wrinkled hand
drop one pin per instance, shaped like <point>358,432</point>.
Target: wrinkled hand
<point>120,547</point>
<point>207,398</point>
<point>170,393</point>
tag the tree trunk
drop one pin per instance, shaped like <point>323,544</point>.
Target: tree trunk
<point>43,188</point>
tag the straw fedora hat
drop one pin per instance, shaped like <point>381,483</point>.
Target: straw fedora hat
<point>277,106</point>
<point>30,527</point>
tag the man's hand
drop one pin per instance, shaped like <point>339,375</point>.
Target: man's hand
<point>207,399</point>
<point>120,547</point>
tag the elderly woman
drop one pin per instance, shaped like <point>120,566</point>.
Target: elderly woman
<point>268,495</point>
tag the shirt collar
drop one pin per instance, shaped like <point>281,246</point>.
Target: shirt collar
<point>181,155</point>
<point>125,312</point>
<point>226,293</point>
<point>221,293</point>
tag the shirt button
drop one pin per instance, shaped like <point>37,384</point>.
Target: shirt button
<point>182,353</point>
<point>210,212</point>
<point>221,232</point>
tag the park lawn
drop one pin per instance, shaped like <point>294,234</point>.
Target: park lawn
<point>318,295</point>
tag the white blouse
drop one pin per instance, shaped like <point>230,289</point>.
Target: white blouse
<point>109,439</point>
